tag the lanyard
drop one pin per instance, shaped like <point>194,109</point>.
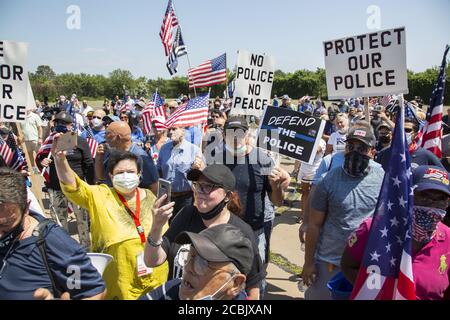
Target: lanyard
<point>135,216</point>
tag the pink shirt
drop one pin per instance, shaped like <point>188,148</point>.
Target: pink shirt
<point>430,265</point>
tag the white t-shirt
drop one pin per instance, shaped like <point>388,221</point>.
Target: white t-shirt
<point>337,140</point>
<point>30,127</point>
<point>307,171</point>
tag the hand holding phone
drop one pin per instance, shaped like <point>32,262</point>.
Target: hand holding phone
<point>67,141</point>
<point>164,187</point>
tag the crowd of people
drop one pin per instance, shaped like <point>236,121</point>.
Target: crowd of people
<point>210,237</point>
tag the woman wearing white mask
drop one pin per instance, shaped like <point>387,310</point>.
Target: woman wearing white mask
<point>120,219</point>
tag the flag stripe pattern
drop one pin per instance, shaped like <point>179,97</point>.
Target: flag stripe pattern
<point>193,112</point>
<point>208,73</point>
<point>5,152</point>
<point>169,22</point>
<point>42,153</point>
<point>93,144</point>
<point>18,161</point>
<point>388,248</point>
<point>431,133</point>
<point>386,100</point>
<point>156,113</point>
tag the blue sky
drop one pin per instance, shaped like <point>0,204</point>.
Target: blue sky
<point>124,34</point>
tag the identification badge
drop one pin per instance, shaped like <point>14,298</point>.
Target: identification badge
<point>142,269</point>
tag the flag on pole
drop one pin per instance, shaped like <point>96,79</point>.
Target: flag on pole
<point>431,133</point>
<point>43,153</point>
<point>179,49</point>
<point>6,152</point>
<point>18,161</point>
<point>93,144</point>
<point>209,73</point>
<point>154,112</point>
<point>193,112</point>
<point>386,100</point>
<point>389,246</point>
<point>166,34</point>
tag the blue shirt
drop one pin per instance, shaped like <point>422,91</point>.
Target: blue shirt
<point>174,163</point>
<point>346,202</point>
<point>25,270</point>
<point>137,136</point>
<point>170,291</point>
<point>193,135</point>
<point>420,157</point>
<point>149,172</point>
<point>306,107</point>
<point>275,102</point>
<point>99,136</point>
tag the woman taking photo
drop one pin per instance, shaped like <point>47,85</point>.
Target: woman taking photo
<point>214,203</point>
<point>120,218</point>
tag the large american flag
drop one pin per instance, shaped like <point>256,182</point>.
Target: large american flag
<point>93,144</point>
<point>388,249</point>
<point>166,34</point>
<point>193,112</point>
<point>431,133</point>
<point>154,112</point>
<point>209,73</point>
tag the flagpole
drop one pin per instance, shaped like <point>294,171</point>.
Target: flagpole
<point>187,51</point>
<point>366,107</point>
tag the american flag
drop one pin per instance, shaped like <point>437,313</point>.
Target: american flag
<point>166,33</point>
<point>386,100</point>
<point>209,73</point>
<point>18,161</point>
<point>154,112</point>
<point>193,112</point>
<point>93,144</point>
<point>387,255</point>
<point>43,153</point>
<point>6,152</point>
<point>430,136</point>
<point>124,108</point>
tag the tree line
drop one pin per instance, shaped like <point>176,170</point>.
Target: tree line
<point>46,83</point>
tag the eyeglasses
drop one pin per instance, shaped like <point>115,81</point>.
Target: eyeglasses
<point>204,188</point>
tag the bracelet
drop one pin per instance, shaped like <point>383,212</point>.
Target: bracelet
<point>153,243</point>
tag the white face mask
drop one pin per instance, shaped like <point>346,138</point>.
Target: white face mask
<point>213,296</point>
<point>125,182</point>
<point>97,123</point>
<point>239,152</point>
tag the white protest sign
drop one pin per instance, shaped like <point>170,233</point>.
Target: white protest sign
<point>14,81</point>
<point>253,83</point>
<point>372,64</point>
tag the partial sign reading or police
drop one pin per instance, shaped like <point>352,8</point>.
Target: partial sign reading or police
<point>290,133</point>
<point>253,86</point>
<point>372,64</point>
<point>13,81</point>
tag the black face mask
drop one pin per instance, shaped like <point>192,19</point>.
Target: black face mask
<point>384,139</point>
<point>356,164</point>
<point>60,129</point>
<point>214,212</point>
<point>8,239</point>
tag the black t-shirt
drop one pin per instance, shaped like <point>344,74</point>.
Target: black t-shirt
<point>419,157</point>
<point>252,182</point>
<point>188,220</point>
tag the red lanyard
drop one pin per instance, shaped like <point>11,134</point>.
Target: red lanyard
<point>135,216</point>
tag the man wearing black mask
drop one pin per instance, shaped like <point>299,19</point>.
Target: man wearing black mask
<point>344,198</point>
<point>384,136</point>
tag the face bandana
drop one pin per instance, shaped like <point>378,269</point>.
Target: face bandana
<point>125,182</point>
<point>214,212</point>
<point>356,164</point>
<point>425,220</point>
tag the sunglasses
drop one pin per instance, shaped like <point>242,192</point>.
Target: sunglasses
<point>96,117</point>
<point>204,188</point>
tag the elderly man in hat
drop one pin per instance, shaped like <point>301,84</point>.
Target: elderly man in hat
<point>285,102</point>
<point>80,160</point>
<point>219,259</point>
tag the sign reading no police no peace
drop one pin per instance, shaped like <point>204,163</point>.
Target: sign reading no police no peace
<point>253,86</point>
<point>290,133</point>
<point>372,64</point>
<point>14,81</point>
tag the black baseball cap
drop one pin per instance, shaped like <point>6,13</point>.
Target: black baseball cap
<point>218,174</point>
<point>236,122</point>
<point>221,243</point>
<point>431,178</point>
<point>363,134</point>
<point>63,116</point>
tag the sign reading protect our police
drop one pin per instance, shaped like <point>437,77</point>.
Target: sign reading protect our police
<point>253,84</point>
<point>290,133</point>
<point>372,64</point>
<point>14,81</point>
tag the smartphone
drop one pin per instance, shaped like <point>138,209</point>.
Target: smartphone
<point>68,141</point>
<point>164,187</point>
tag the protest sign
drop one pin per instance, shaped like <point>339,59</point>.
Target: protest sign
<point>290,133</point>
<point>253,83</point>
<point>14,81</point>
<point>372,64</point>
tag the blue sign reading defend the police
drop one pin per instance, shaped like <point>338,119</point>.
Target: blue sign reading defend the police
<point>290,133</point>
